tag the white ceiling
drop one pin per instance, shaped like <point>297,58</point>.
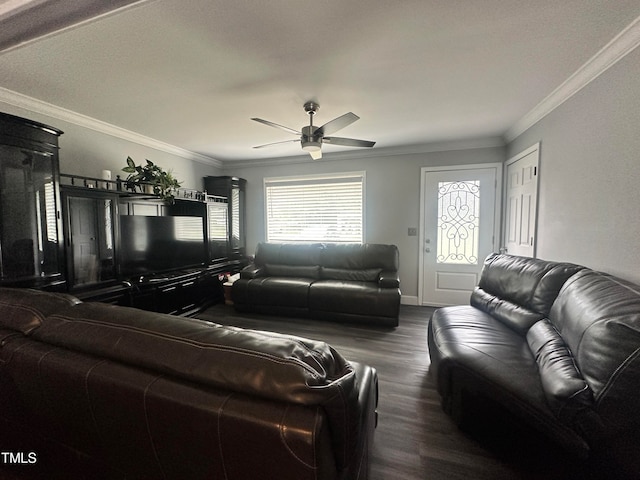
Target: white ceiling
<point>191,73</point>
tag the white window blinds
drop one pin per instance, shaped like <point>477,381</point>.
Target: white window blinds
<point>315,209</point>
<point>217,213</point>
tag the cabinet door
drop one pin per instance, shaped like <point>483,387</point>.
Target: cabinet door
<point>217,229</point>
<point>237,237</point>
<point>29,235</point>
<point>91,239</point>
<point>233,190</point>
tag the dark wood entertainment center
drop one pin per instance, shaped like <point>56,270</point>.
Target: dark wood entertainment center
<point>101,242</point>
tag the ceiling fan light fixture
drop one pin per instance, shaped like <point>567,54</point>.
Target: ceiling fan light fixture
<point>311,146</point>
<point>317,155</point>
<point>310,141</point>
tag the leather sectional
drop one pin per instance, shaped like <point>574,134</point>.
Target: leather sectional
<point>90,390</point>
<point>339,282</point>
<point>555,345</point>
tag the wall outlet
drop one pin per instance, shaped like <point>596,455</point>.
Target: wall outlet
<point>412,231</point>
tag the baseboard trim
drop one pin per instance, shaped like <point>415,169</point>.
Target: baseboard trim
<point>408,300</point>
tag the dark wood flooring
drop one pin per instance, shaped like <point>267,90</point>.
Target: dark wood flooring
<point>415,439</point>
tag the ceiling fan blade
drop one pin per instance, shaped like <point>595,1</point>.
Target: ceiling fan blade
<point>275,125</point>
<point>277,143</point>
<point>317,155</point>
<point>348,142</point>
<point>336,124</point>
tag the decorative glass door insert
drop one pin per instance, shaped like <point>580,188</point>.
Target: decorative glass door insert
<point>458,222</point>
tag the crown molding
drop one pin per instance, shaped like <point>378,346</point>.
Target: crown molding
<point>38,106</point>
<point>418,149</point>
<point>622,44</point>
<point>34,22</point>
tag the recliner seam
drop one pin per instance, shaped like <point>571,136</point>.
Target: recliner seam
<point>192,342</point>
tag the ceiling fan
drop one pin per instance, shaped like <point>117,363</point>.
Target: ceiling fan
<point>311,137</point>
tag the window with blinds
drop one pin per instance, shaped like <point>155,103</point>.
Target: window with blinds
<point>187,229</point>
<point>315,209</point>
<point>217,218</point>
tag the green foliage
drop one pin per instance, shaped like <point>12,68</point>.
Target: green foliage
<point>163,183</point>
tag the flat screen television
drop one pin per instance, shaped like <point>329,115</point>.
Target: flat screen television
<point>150,244</point>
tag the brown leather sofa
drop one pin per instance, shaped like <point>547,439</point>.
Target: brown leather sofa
<point>554,345</point>
<point>96,391</point>
<point>324,281</point>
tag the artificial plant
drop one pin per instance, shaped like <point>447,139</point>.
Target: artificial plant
<point>163,183</point>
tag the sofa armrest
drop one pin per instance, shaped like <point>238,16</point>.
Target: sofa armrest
<point>388,279</point>
<point>252,271</point>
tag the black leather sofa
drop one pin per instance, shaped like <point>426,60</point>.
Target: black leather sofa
<point>96,391</point>
<point>340,282</point>
<point>554,345</point>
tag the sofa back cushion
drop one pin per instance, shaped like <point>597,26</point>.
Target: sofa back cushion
<point>23,309</point>
<point>335,261</point>
<point>288,254</point>
<point>283,270</point>
<point>357,275</point>
<point>268,365</point>
<point>519,291</point>
<point>351,256</point>
<point>598,317</point>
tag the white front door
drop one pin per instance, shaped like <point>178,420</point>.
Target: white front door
<point>521,202</point>
<point>460,216</point>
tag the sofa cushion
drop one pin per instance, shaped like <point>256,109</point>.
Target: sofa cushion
<point>288,254</point>
<point>354,297</point>
<point>598,316</point>
<point>361,275</point>
<point>566,391</point>
<point>360,257</point>
<point>520,290</point>
<point>281,291</point>
<point>284,270</point>
<point>465,337</point>
<point>264,364</point>
<point>23,310</point>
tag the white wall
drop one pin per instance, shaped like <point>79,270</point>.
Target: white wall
<point>392,181</point>
<point>392,197</point>
<point>590,174</point>
<point>86,152</point>
<point>589,177</point>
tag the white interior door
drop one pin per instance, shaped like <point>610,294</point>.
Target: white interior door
<point>521,202</point>
<point>460,216</point>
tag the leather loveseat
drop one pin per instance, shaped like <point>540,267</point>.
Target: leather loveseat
<point>341,282</point>
<point>96,391</point>
<point>553,345</point>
